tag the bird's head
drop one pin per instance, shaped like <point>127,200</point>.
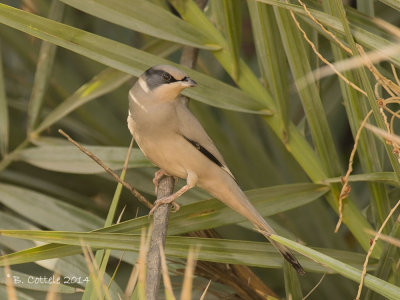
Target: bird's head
<point>164,82</point>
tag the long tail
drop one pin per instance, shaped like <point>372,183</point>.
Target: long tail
<point>266,231</point>
<point>230,193</point>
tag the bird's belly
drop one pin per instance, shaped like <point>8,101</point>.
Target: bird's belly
<point>163,154</point>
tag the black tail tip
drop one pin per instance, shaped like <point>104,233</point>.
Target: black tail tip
<point>294,262</point>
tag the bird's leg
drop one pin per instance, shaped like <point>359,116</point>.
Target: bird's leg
<point>191,181</point>
<point>157,176</point>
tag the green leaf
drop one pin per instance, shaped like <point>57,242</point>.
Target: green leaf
<point>134,14</point>
<point>44,69</point>
<point>384,177</point>
<point>292,283</point>
<point>271,58</point>
<point>21,296</point>
<point>297,145</point>
<point>366,6</point>
<point>201,215</point>
<point>392,3</point>
<point>102,83</point>
<point>41,184</point>
<point>47,211</point>
<point>228,15</point>
<point>74,266</point>
<point>295,47</point>
<point>385,265</point>
<point>380,286</point>
<point>124,58</point>
<point>215,250</point>
<point>69,159</point>
<point>356,110</point>
<point>364,35</point>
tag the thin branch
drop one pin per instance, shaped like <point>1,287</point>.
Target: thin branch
<point>135,192</point>
<point>371,248</point>
<point>322,58</point>
<point>345,180</point>
<point>333,37</point>
<point>314,288</point>
<point>160,225</point>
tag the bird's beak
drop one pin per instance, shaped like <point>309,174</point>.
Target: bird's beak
<point>188,82</point>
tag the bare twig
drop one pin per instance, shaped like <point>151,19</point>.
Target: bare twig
<point>345,180</point>
<point>371,248</point>
<point>320,56</point>
<point>387,238</point>
<point>139,196</point>
<point>333,37</point>
<point>314,288</point>
<point>160,225</point>
<point>205,291</point>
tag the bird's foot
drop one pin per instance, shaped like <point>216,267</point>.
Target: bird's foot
<point>158,175</point>
<point>165,200</point>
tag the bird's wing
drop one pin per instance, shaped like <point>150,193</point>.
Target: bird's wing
<point>194,133</point>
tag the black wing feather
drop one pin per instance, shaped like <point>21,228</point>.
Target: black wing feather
<point>205,152</point>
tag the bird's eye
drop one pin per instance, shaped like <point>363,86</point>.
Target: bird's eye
<point>166,76</point>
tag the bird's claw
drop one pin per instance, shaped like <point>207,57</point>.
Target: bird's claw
<point>165,200</point>
<point>158,175</point>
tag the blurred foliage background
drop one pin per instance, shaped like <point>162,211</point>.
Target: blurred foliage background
<point>69,64</point>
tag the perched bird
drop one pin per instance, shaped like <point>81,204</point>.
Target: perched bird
<point>172,138</point>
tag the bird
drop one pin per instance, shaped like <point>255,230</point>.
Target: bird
<point>173,139</point>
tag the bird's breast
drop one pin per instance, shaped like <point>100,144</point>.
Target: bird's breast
<point>156,133</point>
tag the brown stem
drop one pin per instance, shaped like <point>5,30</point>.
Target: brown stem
<point>139,196</point>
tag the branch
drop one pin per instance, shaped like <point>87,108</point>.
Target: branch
<point>139,196</point>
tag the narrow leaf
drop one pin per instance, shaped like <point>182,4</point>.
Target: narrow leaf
<point>197,216</point>
<point>292,283</point>
<point>294,48</point>
<point>134,14</point>
<point>47,211</point>
<point>228,15</point>
<point>366,7</point>
<point>44,69</point>
<point>262,254</point>
<point>125,58</point>
<point>385,177</point>
<point>380,286</point>
<point>69,159</point>
<point>20,294</point>
<point>392,3</point>
<point>271,58</point>
<point>363,33</point>
<point>102,83</point>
